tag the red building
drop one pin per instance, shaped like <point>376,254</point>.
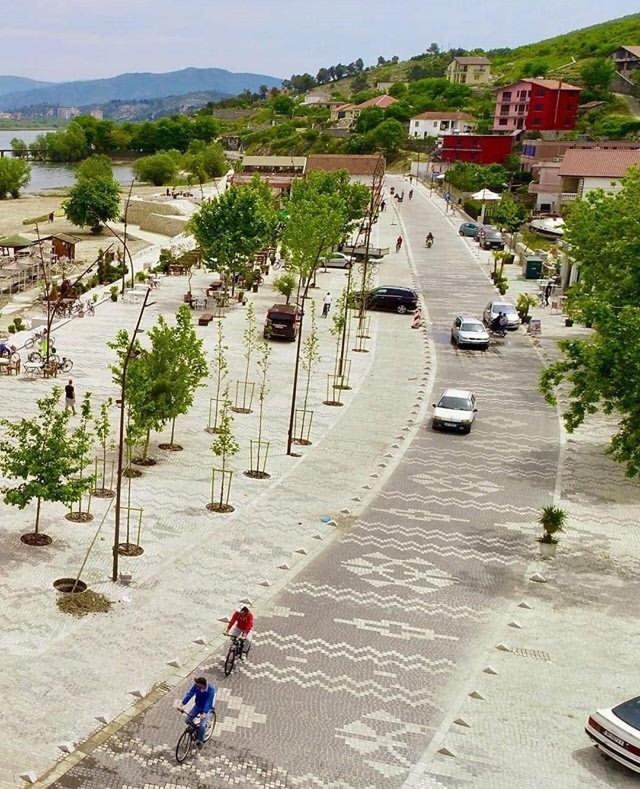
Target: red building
<point>476,148</point>
<point>536,105</point>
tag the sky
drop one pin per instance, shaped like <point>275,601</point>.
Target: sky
<point>61,40</point>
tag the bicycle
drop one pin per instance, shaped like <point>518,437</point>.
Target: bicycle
<point>36,336</point>
<point>190,735</point>
<point>236,650</point>
<point>61,364</point>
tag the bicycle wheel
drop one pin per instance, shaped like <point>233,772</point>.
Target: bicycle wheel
<point>34,356</point>
<point>210,726</point>
<point>28,343</point>
<point>183,747</point>
<point>66,366</point>
<point>231,659</point>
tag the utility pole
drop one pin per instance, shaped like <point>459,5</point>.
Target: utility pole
<point>123,388</point>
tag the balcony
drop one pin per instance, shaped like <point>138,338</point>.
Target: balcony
<point>568,197</point>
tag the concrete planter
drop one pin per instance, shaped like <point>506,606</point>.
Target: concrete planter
<point>548,549</point>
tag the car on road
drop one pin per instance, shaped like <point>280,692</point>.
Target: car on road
<point>389,297</point>
<point>468,229</point>
<point>616,732</point>
<point>469,332</point>
<point>494,308</point>
<point>456,410</point>
<point>336,260</point>
<point>490,238</point>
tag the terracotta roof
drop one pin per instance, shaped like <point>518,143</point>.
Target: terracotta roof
<point>598,164</point>
<point>377,101</point>
<point>552,84</point>
<point>443,116</point>
<point>473,61</point>
<point>635,51</point>
<point>354,164</point>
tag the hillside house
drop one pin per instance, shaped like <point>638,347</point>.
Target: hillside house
<point>583,171</point>
<point>437,124</point>
<point>472,70</point>
<point>476,148</point>
<point>348,114</point>
<point>536,105</point>
<point>626,60</point>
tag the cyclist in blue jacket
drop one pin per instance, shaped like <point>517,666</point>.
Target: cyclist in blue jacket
<point>205,700</point>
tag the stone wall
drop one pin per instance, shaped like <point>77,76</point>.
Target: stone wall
<point>161,223</point>
<point>140,209</point>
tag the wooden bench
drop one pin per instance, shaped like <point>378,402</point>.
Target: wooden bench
<point>205,319</point>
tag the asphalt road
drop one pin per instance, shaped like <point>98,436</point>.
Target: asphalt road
<point>354,669</point>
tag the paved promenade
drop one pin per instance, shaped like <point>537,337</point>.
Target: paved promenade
<point>375,660</point>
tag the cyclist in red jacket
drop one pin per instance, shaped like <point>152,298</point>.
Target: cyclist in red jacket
<point>241,626</point>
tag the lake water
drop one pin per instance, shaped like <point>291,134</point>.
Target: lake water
<point>46,175</point>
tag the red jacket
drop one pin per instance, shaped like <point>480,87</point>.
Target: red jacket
<point>243,620</point>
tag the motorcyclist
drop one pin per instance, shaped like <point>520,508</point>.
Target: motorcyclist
<point>496,323</point>
<point>429,239</point>
<point>504,321</point>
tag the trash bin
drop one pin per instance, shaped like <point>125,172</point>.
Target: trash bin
<point>532,267</point>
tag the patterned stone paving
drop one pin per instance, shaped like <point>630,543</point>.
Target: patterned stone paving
<point>356,662</point>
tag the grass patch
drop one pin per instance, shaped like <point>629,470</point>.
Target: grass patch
<point>534,241</point>
<point>84,603</point>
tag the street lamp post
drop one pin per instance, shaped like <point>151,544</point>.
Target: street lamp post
<point>123,386</point>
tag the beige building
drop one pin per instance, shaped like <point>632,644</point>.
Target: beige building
<point>472,70</point>
<point>583,171</point>
<point>346,115</point>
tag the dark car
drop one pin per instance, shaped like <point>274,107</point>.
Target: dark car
<point>490,238</point>
<point>394,298</point>
<point>283,322</point>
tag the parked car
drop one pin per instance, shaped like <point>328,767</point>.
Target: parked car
<point>456,409</point>
<point>336,260</point>
<point>470,332</point>
<point>468,229</point>
<point>490,238</point>
<point>494,308</point>
<point>390,297</point>
<point>616,732</point>
<point>282,322</point>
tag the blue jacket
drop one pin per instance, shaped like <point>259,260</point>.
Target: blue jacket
<point>205,699</point>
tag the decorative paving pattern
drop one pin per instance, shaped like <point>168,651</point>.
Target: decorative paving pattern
<point>353,667</point>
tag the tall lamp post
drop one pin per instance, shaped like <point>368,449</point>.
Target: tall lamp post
<point>123,388</point>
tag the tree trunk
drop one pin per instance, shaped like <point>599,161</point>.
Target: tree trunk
<point>145,449</point>
<point>173,430</point>
<point>37,515</point>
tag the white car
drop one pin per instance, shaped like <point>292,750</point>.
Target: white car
<point>616,732</point>
<point>493,310</point>
<point>336,260</point>
<point>470,332</point>
<point>456,409</point>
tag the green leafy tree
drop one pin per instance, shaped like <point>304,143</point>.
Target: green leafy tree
<point>83,440</point>
<point>596,76</point>
<point>310,354</point>
<point>19,147</point>
<point>14,175</point>
<point>225,447</point>
<point>230,230</point>
<point>508,215</point>
<point>221,366</point>
<point>102,429</point>
<point>602,372</point>
<point>368,119</point>
<point>263,364</point>
<point>158,169</point>
<point>285,284</point>
<point>190,365</point>
<point>97,166</point>
<point>92,202</point>
<point>387,136</point>
<point>42,457</point>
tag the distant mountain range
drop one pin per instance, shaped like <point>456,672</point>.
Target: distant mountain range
<point>10,84</point>
<point>18,92</point>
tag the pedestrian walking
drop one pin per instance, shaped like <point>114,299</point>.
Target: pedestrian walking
<point>326,304</point>
<point>547,293</point>
<point>383,205</point>
<point>70,397</point>
<point>410,194</point>
<point>398,243</point>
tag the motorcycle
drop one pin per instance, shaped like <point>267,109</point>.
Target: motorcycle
<point>428,242</point>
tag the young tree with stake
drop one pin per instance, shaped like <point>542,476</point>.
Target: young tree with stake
<point>224,447</point>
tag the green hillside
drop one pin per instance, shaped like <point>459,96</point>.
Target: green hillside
<point>553,55</point>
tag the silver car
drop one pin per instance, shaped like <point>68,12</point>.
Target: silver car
<point>470,332</point>
<point>456,409</point>
<point>336,260</point>
<point>493,310</point>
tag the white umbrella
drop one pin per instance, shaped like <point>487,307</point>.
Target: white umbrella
<point>485,196</point>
